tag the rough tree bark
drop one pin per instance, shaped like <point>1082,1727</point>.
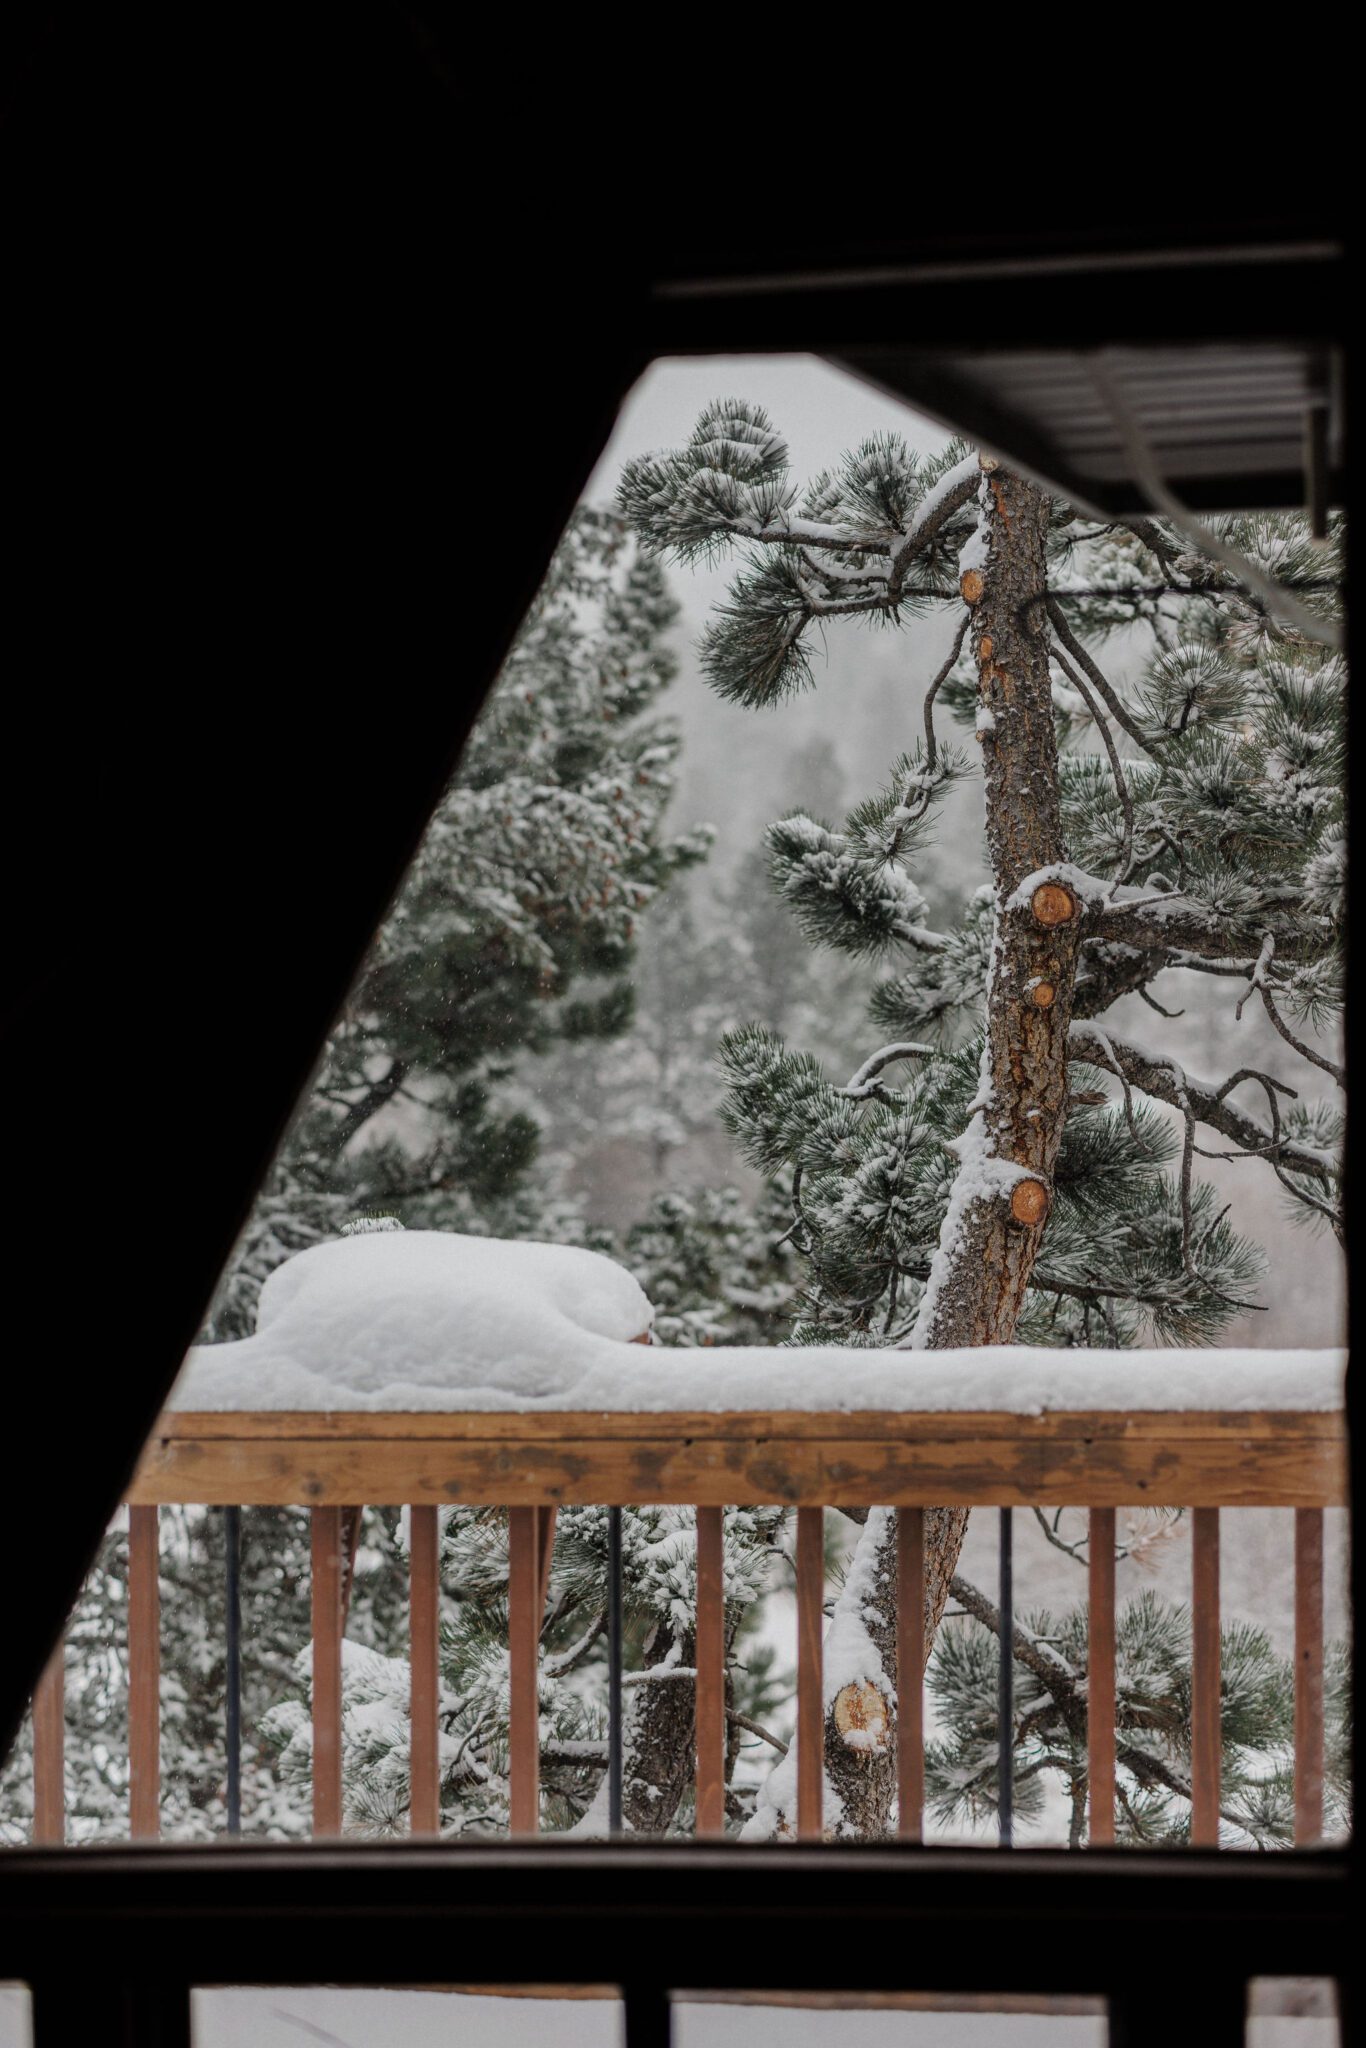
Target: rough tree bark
<point>659,1747</point>
<point>1001,1196</point>
<point>661,1724</point>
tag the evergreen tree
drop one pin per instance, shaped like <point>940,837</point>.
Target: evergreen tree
<point>1152,1722</point>
<point>659,1580</point>
<point>1191,823</point>
<point>515,932</point>
<point>643,1111</point>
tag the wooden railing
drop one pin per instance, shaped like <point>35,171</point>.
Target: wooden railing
<point>533,1464</point>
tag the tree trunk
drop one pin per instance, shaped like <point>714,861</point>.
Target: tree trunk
<point>999,1205</point>
<point>661,1719</point>
<point>1000,1200</point>
<point>660,1746</point>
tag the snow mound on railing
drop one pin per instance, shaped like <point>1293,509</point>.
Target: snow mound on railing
<point>425,1320</point>
<point>422,1319</point>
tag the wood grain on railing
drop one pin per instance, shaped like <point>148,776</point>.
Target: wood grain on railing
<point>810,1685</point>
<point>910,1673</point>
<point>1079,1459</point>
<point>144,1673</point>
<point>1206,1742</point>
<point>424,1622</point>
<point>1100,1677</point>
<point>1308,1677</point>
<point>326,1685</point>
<point>710,1663</point>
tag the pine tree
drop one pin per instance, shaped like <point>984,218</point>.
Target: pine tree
<point>515,932</point>
<point>659,1578</point>
<point>1002,1192</point>
<point>641,1112</point>
<point>1152,1722</point>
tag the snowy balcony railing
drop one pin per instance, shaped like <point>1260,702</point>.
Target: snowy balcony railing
<point>613,1426</point>
<point>532,1464</point>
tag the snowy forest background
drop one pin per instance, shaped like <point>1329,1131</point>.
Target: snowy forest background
<point>611,1134</point>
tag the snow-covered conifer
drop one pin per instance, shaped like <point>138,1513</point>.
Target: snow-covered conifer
<point>1001,1159</point>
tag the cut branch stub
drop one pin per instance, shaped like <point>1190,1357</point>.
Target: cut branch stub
<point>861,1716</point>
<point>1029,1201</point>
<point>971,586</point>
<point>1042,995</point>
<point>1052,904</point>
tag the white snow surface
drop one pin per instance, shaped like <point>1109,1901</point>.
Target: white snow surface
<point>428,1320</point>
<point>292,2018</point>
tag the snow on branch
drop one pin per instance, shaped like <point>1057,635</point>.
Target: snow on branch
<point>860,1085</point>
<point>1169,920</point>
<point>1165,1081</point>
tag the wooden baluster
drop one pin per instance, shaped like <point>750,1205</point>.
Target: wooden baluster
<point>1206,1744</point>
<point>424,1628</point>
<point>711,1674</point>
<point>524,1629</point>
<point>545,1552</point>
<point>1100,1679</point>
<point>1308,1677</point>
<point>910,1673</point>
<point>810,1688</point>
<point>144,1674</point>
<point>327,1667</point>
<point>49,1749</point>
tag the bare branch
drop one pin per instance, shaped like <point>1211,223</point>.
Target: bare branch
<point>1126,802</point>
<point>555,1667</point>
<point>1191,935</point>
<point>1167,1082</point>
<point>1161,1009</point>
<point>1261,983</point>
<point>931,750</point>
<point>755,1728</point>
<point>1076,1551</point>
<point>1104,689</point>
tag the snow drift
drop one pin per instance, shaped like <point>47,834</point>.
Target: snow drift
<point>427,1320</point>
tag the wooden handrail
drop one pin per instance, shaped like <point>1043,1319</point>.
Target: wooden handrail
<point>1102,1458</point>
